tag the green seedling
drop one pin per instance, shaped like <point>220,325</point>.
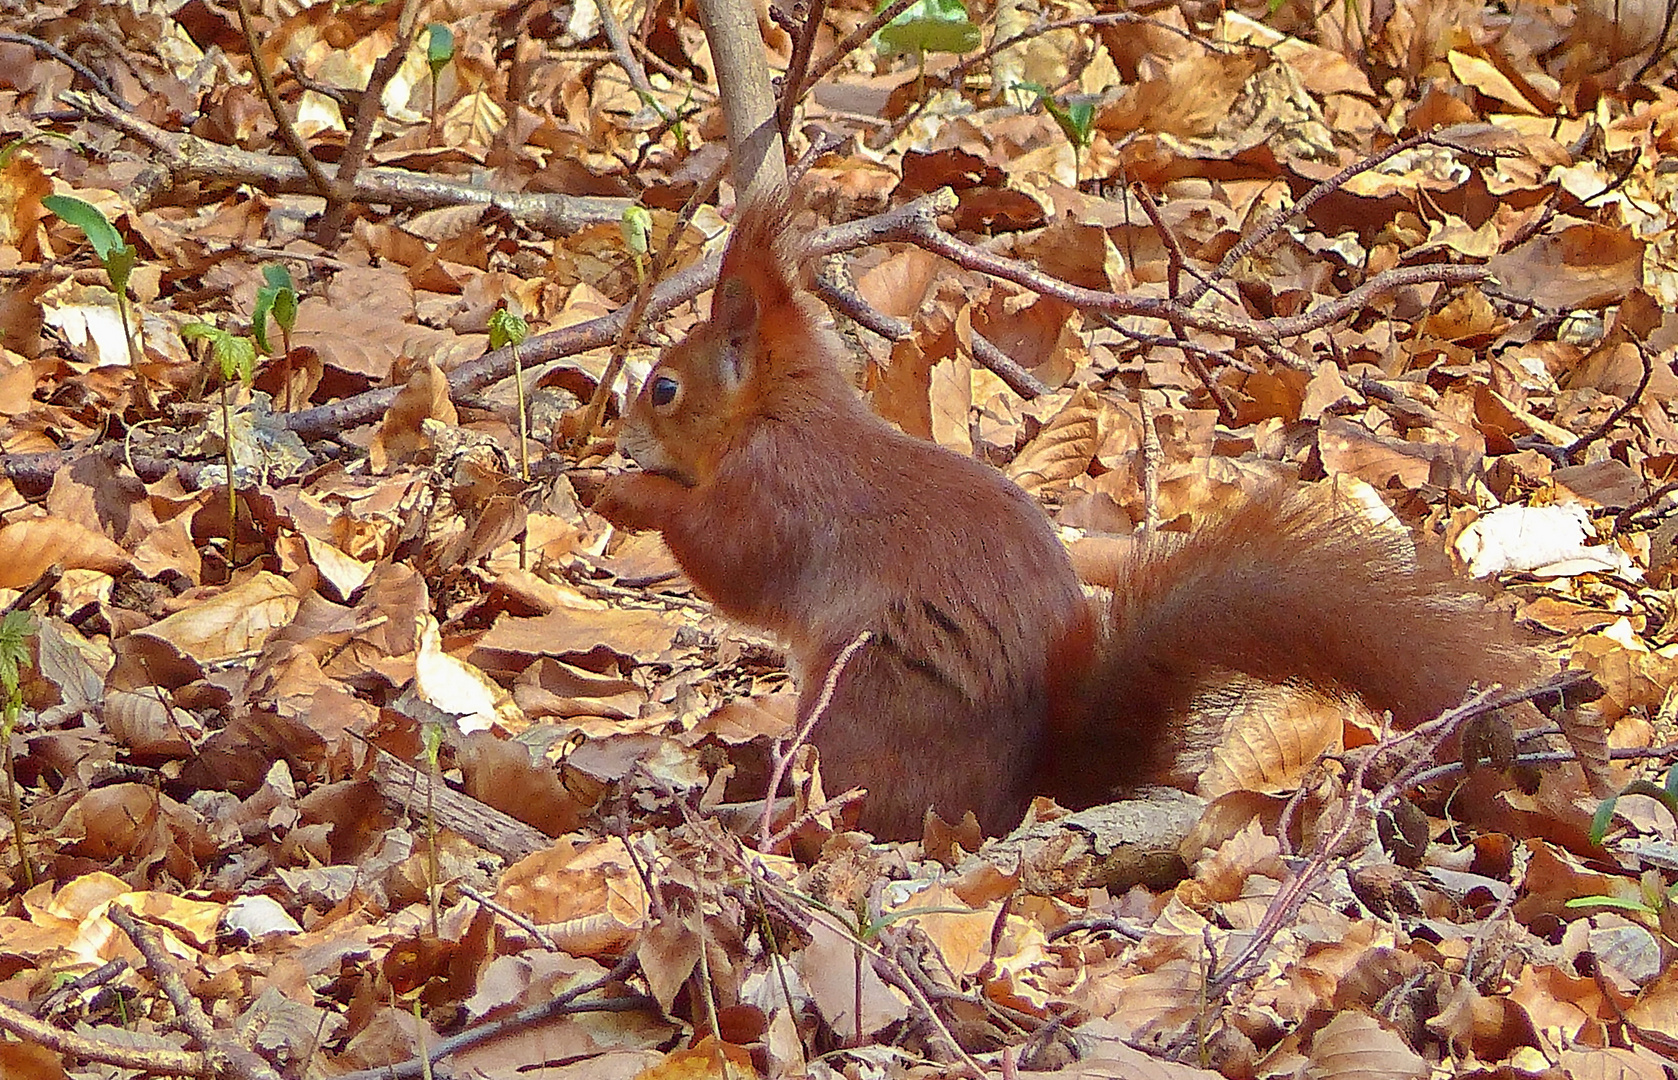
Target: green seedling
<point>277,298</point>
<point>1075,118</point>
<point>113,253</point>
<point>235,360</point>
<point>15,631</point>
<point>1667,796</point>
<point>928,26</point>
<point>507,328</point>
<point>1656,902</point>
<point>439,50</point>
<point>637,228</point>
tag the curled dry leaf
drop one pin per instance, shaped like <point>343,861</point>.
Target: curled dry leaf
<point>460,689</point>
<point>587,898</point>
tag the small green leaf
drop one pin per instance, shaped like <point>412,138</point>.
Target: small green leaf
<point>637,228</point>
<point>506,328</point>
<point>193,330</point>
<point>929,26</point>
<point>265,297</point>
<point>1608,902</point>
<point>276,298</point>
<point>439,50</point>
<point>285,310</point>
<point>1075,120</point>
<point>1602,818</point>
<point>238,359</point>
<point>235,356</point>
<point>276,276</point>
<point>119,265</point>
<point>15,630</point>
<point>90,220</point>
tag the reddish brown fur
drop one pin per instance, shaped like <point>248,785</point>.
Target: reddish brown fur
<point>793,507</point>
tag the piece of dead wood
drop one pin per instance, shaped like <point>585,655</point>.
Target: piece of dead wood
<point>180,158</point>
<point>401,784</point>
<point>1134,841</point>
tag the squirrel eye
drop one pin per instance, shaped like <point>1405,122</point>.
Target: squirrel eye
<point>664,390</point>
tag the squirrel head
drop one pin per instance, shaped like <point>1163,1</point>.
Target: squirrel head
<point>706,390</point>
<point>699,393</point>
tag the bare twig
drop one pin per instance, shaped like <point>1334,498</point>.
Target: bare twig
<point>999,363</point>
<point>783,756</point>
<point>187,157</point>
<point>644,294</point>
<point>342,194</point>
<point>1571,453</point>
<point>624,55</point>
<point>793,87</point>
<point>1331,836</point>
<point>90,1049</point>
<point>288,132</point>
<point>853,41</point>
<point>1250,243</point>
<point>47,48</point>
<point>222,1053</point>
<point>568,1003</point>
<point>1175,262</point>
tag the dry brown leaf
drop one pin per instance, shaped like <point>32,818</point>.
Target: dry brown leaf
<point>29,546</point>
<point>233,621</point>
<point>1063,449</point>
<point>1354,1045</point>
<point>1582,266</point>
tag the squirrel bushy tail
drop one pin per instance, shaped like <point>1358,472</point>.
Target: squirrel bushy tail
<point>1284,591</point>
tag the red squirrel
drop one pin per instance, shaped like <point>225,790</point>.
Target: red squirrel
<point>988,677</point>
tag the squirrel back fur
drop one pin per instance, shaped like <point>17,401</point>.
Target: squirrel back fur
<point>987,677</point>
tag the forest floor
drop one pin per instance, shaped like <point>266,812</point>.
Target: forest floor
<point>400,753</point>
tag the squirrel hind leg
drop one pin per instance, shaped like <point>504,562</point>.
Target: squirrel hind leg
<point>916,742</point>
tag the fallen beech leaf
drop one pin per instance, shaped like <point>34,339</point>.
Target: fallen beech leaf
<point>456,687</point>
<point>29,546</point>
<point>235,621</point>
<point>1064,448</point>
<point>588,896</point>
<point>1355,1045</point>
<point>1585,266</point>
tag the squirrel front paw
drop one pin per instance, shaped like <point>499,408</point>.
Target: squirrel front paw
<point>639,500</point>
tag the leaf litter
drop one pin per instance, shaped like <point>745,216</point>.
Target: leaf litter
<point>245,822</point>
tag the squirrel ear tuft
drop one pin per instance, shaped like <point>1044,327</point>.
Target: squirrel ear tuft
<point>735,314</point>
<point>733,307</point>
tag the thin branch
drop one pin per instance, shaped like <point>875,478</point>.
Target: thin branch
<point>641,307</point>
<point>187,157</point>
<point>853,41</point>
<point>288,132</point>
<point>1571,453</point>
<point>90,1049</point>
<point>342,193</point>
<point>222,1052</point>
<point>624,55</point>
<point>783,756</point>
<point>1331,836</point>
<point>1250,243</point>
<point>793,87</point>
<point>47,48</point>
<point>849,303</point>
<point>568,1003</point>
